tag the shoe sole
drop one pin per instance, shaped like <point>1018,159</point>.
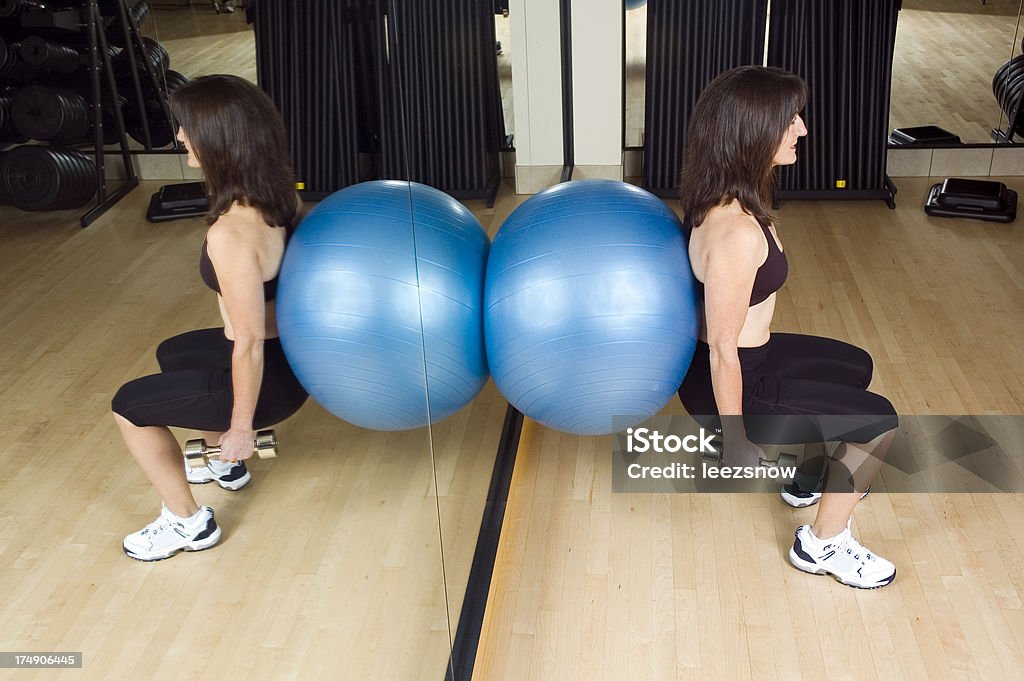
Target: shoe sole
<point>231,486</point>
<point>796,502</point>
<point>207,543</point>
<point>811,568</point>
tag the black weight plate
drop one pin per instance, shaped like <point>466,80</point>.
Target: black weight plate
<point>77,118</point>
<point>1012,97</point>
<point>64,170</point>
<point>174,80</point>
<point>37,112</point>
<point>71,189</point>
<point>32,177</point>
<point>75,183</point>
<point>5,199</point>
<point>33,50</point>
<point>8,8</point>
<point>89,181</point>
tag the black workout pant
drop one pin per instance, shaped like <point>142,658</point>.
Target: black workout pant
<point>194,390</point>
<point>798,389</point>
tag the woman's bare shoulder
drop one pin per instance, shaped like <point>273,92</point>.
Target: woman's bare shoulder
<point>728,230</point>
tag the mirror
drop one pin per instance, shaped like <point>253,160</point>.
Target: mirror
<point>200,40</point>
<point>453,129</point>
<point>635,73</point>
<point>361,586</point>
<point>946,54</point>
<point>1004,133</point>
<point>503,48</point>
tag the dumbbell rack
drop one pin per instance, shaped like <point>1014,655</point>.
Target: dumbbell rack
<point>85,19</point>
<point>1008,88</point>
<point>97,47</point>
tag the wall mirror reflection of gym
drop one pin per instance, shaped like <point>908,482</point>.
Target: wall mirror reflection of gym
<point>430,472</point>
<point>388,511</point>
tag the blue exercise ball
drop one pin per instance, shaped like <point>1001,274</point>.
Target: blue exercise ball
<point>590,307</point>
<point>380,304</point>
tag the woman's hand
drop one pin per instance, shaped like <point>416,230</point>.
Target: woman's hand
<point>237,444</point>
<point>742,452</point>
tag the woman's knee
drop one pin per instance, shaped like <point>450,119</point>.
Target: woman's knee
<point>123,404</point>
<point>165,354</point>
<point>866,366</point>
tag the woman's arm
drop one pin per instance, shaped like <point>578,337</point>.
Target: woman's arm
<point>733,257</point>
<point>241,285</point>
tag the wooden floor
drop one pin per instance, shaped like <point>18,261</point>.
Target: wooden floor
<point>331,564</point>
<point>635,587</point>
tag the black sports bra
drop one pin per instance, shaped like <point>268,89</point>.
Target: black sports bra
<point>770,275</point>
<point>209,275</point>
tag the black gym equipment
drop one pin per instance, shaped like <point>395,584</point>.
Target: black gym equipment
<point>36,177</point>
<point>174,201</point>
<point>8,133</point>
<point>156,57</point>
<point>50,114</point>
<point>155,112</point>
<point>978,199</point>
<point>14,69</point>
<point>1008,88</point>
<point>37,51</point>
<point>135,13</point>
<point>10,8</point>
<point>923,135</point>
<point>58,49</point>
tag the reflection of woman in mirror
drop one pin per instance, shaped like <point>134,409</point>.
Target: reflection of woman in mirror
<point>746,122</point>
<point>228,381</point>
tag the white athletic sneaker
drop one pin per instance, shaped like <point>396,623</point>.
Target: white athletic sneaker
<point>230,476</point>
<point>805,490</point>
<point>169,534</point>
<point>843,557</point>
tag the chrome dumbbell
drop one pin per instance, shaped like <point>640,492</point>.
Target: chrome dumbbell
<point>198,453</point>
<point>784,459</point>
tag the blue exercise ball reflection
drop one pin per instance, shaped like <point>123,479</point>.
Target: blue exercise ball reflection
<point>367,270</point>
<point>590,307</point>
<point>634,4</point>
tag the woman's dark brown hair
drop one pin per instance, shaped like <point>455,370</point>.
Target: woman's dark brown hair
<point>734,133</point>
<point>238,136</point>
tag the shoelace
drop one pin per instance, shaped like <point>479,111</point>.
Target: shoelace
<point>854,548</point>
<point>156,526</point>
